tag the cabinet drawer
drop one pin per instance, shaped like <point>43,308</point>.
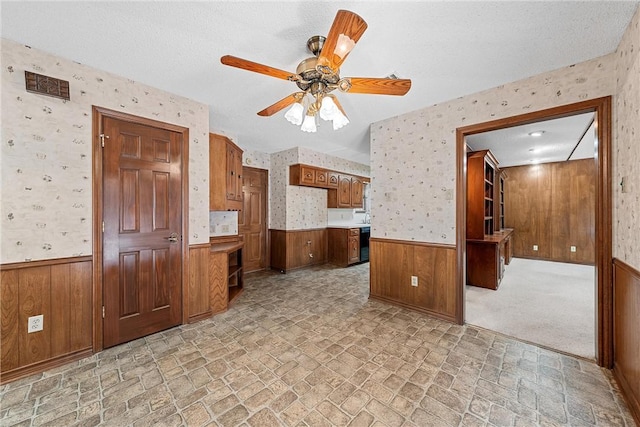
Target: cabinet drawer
<point>354,231</point>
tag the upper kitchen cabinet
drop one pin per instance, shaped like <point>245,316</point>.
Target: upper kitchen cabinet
<point>225,174</point>
<point>348,194</point>
<point>311,176</point>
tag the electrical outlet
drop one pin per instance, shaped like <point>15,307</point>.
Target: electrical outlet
<point>35,323</point>
<point>225,228</point>
<point>535,247</point>
<point>573,248</point>
<point>414,280</point>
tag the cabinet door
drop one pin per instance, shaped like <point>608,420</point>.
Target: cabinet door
<point>344,192</point>
<point>307,175</point>
<point>321,178</point>
<point>354,248</point>
<point>232,179</point>
<point>356,192</point>
<point>238,174</point>
<point>332,179</point>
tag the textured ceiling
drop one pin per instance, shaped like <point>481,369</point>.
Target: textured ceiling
<point>562,139</point>
<point>448,49</point>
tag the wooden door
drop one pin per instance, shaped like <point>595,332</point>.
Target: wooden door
<point>252,219</point>
<point>142,212</point>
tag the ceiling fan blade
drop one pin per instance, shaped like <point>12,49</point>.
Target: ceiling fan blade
<point>346,30</point>
<point>244,64</point>
<point>377,86</point>
<point>283,103</point>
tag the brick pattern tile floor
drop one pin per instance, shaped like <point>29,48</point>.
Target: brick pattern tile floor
<point>309,349</point>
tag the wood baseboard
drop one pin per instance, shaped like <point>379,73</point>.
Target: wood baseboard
<point>36,368</point>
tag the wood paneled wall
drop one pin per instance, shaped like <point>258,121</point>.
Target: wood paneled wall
<point>291,249</point>
<point>626,333</point>
<point>393,262</point>
<point>61,291</point>
<point>199,306</point>
<point>552,205</point>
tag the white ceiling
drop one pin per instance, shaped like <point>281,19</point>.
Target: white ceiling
<point>568,138</point>
<point>448,49</point>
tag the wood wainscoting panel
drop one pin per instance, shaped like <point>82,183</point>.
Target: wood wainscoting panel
<point>393,262</point>
<point>61,291</point>
<point>292,249</point>
<point>552,206</point>
<point>198,306</point>
<point>626,333</point>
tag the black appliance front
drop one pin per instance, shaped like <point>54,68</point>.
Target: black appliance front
<point>365,233</point>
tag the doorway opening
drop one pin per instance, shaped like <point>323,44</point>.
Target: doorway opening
<point>601,109</point>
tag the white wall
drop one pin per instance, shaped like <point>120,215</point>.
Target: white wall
<point>46,153</point>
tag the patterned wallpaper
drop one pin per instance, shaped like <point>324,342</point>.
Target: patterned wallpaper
<point>46,153</point>
<point>413,156</point>
<point>295,207</point>
<point>256,159</point>
<point>626,147</point>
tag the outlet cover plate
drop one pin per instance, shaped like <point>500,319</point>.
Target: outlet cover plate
<point>414,280</point>
<point>535,247</point>
<point>35,323</point>
<point>573,248</point>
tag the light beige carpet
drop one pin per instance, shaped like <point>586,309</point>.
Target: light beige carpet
<point>547,303</point>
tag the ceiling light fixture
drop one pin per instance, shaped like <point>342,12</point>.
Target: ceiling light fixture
<point>316,86</point>
<point>536,133</point>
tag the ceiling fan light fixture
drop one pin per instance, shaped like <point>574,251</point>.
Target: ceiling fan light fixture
<point>328,109</point>
<point>295,114</point>
<point>309,124</point>
<point>340,121</point>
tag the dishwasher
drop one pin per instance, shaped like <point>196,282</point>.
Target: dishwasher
<point>365,233</point>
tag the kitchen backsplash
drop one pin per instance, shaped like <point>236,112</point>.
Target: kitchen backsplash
<point>223,223</point>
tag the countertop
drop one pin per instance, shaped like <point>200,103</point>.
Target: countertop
<point>348,225</point>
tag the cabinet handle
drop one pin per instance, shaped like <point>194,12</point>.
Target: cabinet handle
<point>231,173</point>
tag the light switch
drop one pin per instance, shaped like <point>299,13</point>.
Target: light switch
<point>573,248</point>
<point>535,247</point>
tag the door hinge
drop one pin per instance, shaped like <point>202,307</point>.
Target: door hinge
<point>103,226</point>
<point>103,311</point>
<point>102,138</point>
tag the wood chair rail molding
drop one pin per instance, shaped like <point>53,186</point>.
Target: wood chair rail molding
<point>603,214</point>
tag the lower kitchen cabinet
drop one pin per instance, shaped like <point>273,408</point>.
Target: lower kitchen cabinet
<point>291,249</point>
<point>344,246</point>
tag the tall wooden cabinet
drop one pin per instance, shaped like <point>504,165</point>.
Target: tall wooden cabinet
<point>225,174</point>
<point>488,242</point>
<point>481,178</point>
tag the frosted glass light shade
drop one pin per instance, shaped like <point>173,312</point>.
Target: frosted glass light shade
<point>328,110</point>
<point>339,121</point>
<point>295,113</point>
<point>309,124</point>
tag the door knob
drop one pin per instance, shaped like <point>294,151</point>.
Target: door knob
<point>173,238</point>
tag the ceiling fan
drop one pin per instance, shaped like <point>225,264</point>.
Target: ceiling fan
<point>319,75</point>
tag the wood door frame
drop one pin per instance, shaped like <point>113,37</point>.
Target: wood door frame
<point>266,216</point>
<point>603,211</point>
<point>98,113</point>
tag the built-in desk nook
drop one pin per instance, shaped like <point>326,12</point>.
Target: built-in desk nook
<point>225,274</point>
<point>487,257</point>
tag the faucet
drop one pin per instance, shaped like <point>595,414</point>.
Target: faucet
<point>367,218</point>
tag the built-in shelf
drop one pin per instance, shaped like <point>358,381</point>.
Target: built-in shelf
<point>226,274</point>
